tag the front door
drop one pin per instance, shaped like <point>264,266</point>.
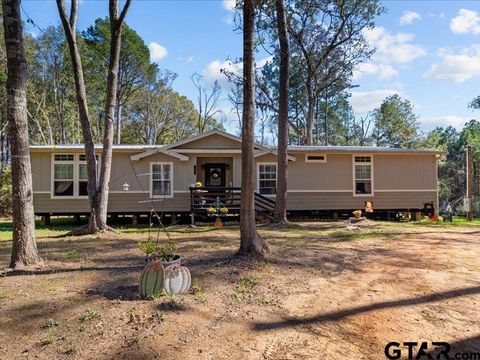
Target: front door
<point>215,175</point>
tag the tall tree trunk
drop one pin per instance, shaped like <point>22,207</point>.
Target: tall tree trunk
<point>24,247</point>
<point>98,197</point>
<point>251,242</point>
<point>69,25</point>
<point>280,215</point>
<point>116,24</point>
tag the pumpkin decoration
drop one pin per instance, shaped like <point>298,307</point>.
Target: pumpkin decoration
<point>177,280</point>
<point>152,280</point>
<point>218,223</point>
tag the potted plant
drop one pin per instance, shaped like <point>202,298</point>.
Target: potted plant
<point>357,214</point>
<point>218,209</point>
<point>163,272</point>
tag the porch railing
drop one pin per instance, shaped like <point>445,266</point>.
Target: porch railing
<point>202,198</point>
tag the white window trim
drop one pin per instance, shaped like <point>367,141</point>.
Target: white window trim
<point>171,180</point>
<point>371,173</point>
<point>316,161</point>
<point>258,177</point>
<point>76,175</point>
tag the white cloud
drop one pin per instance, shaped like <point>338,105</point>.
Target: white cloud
<point>365,101</point>
<point>409,17</point>
<point>467,21</point>
<point>390,50</point>
<point>456,67</point>
<point>430,122</point>
<point>382,71</point>
<point>393,48</point>
<point>213,71</point>
<point>229,5</point>
<point>157,51</point>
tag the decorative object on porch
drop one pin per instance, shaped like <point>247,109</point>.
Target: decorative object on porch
<point>152,280</point>
<point>198,184</point>
<point>357,213</point>
<point>218,209</point>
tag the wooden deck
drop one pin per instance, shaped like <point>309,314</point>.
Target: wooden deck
<point>202,198</point>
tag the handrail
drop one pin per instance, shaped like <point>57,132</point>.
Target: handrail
<point>204,197</point>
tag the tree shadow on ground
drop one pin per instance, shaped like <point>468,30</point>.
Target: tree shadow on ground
<point>339,315</point>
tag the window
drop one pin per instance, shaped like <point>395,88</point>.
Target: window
<point>319,158</point>
<point>363,175</point>
<point>63,179</point>
<point>69,175</point>
<point>63,157</point>
<point>162,180</point>
<point>267,178</point>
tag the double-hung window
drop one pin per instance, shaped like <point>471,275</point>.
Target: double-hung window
<point>161,179</point>
<point>70,176</point>
<point>267,178</point>
<point>63,175</point>
<point>363,175</point>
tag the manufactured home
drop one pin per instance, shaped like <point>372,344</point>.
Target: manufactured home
<point>335,179</point>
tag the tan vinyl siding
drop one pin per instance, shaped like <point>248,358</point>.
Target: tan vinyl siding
<point>41,169</point>
<point>405,172</point>
<point>214,141</point>
<point>345,200</point>
<point>401,181</point>
<point>118,202</point>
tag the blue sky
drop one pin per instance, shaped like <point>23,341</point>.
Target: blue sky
<point>427,51</point>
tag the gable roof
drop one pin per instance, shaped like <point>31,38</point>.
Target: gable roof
<point>214,131</point>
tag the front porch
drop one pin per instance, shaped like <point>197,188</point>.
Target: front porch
<point>205,197</point>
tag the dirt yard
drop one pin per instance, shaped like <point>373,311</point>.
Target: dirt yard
<point>326,292</point>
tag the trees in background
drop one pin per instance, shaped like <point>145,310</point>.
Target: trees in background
<point>135,71</point>
<point>395,124</point>
<point>24,247</point>
<point>207,103</point>
<point>452,172</point>
<point>159,115</point>
<point>251,243</point>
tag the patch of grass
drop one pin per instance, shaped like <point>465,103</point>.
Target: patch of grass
<point>90,315</point>
<point>53,285</point>
<point>457,222</point>
<point>264,301</point>
<point>244,287</point>
<point>71,253</point>
<point>157,295</point>
<point>59,227</point>
<point>71,350</point>
<point>49,338</point>
<point>51,323</point>
<point>198,291</point>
